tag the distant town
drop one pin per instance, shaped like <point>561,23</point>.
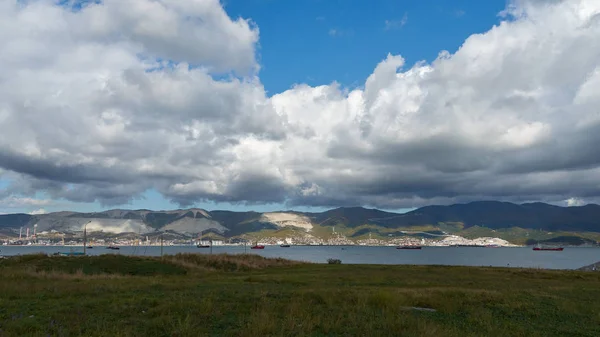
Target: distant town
<point>62,239</point>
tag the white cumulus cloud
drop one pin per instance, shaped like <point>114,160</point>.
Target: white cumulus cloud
<point>38,211</point>
<point>101,103</point>
<point>575,202</point>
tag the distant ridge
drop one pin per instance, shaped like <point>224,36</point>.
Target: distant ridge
<point>493,215</point>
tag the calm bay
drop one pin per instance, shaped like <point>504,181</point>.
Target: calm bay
<point>525,257</point>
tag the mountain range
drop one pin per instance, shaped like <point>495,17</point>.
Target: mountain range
<point>514,222</point>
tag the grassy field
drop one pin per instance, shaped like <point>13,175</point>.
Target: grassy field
<point>247,295</point>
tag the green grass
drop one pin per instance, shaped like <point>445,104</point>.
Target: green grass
<point>95,265</point>
<point>246,295</point>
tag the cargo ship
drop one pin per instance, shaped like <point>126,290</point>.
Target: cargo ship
<point>557,249</point>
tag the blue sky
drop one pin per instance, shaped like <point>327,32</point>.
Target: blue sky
<point>320,41</point>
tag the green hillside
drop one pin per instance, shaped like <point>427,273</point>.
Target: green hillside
<point>513,222</point>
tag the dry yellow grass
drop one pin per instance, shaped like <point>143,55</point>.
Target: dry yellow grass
<point>79,274</point>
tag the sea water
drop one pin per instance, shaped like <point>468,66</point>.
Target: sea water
<point>570,258</point>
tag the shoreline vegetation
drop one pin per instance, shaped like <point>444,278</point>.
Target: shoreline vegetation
<point>249,295</point>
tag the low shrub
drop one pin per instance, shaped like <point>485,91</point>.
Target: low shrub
<point>230,262</point>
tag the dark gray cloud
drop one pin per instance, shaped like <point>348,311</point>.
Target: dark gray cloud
<point>48,169</point>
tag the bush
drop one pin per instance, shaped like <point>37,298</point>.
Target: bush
<point>334,261</point>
